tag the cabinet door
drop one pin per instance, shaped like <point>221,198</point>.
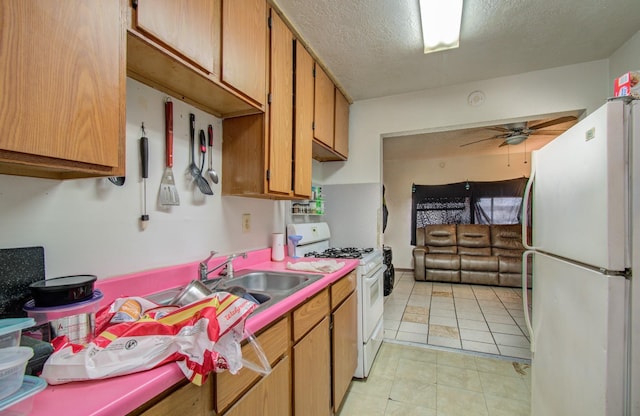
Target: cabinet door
<point>303,122</point>
<point>341,132</point>
<point>345,347</point>
<point>270,397</point>
<point>323,108</point>
<point>281,106</point>
<point>312,374</point>
<point>274,342</point>
<point>62,89</point>
<point>189,28</point>
<point>244,47</point>
<point>188,400</point>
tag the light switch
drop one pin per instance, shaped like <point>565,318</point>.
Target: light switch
<point>246,223</point>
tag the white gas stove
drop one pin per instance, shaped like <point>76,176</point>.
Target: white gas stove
<point>315,242</point>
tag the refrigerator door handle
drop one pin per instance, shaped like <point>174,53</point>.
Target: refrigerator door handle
<point>525,295</point>
<point>525,210</point>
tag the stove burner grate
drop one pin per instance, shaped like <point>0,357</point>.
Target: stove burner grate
<point>340,253</point>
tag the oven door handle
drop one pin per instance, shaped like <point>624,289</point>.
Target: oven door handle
<point>374,276</point>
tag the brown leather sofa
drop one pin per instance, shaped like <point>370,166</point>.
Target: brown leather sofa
<point>470,253</point>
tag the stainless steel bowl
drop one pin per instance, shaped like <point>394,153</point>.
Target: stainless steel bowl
<point>193,292</point>
<point>80,328</point>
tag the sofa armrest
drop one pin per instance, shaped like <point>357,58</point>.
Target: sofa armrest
<point>418,262</point>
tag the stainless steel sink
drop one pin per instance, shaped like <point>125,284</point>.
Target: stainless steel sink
<point>265,286</point>
<point>165,297</point>
<point>268,281</point>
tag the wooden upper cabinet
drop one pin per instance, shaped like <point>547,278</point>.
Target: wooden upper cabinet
<point>259,154</point>
<point>281,106</point>
<point>244,47</point>
<point>331,120</point>
<point>303,121</point>
<point>191,29</point>
<point>175,46</point>
<point>341,132</point>
<point>323,108</point>
<point>62,89</point>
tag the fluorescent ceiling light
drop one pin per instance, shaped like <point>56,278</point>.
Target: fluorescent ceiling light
<point>440,24</point>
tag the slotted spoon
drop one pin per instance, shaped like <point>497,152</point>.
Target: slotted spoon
<point>212,173</point>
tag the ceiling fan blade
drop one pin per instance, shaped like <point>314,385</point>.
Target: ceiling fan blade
<point>553,122</point>
<point>547,132</point>
<point>504,144</point>
<point>498,128</point>
<point>484,140</point>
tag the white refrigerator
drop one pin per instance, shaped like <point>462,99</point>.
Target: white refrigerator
<point>583,325</point>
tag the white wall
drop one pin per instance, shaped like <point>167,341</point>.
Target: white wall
<point>584,86</point>
<point>626,58</point>
<point>528,95</point>
<point>91,226</point>
<point>575,87</point>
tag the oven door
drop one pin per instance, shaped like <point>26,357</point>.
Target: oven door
<point>372,301</point>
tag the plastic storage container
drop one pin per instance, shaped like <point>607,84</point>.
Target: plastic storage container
<point>21,402</point>
<point>13,361</point>
<point>11,330</point>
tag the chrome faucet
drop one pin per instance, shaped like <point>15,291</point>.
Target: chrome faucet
<point>226,273</point>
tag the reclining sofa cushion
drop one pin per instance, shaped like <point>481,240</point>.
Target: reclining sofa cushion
<point>442,267</point>
<point>474,239</point>
<point>441,260</point>
<point>441,239</point>
<point>477,265</point>
<point>469,253</point>
<point>506,240</point>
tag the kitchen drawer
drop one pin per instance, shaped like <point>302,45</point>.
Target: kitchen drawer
<point>310,313</point>
<point>275,343</point>
<point>342,288</point>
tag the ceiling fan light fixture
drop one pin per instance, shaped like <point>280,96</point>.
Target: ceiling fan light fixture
<point>440,24</point>
<point>516,139</point>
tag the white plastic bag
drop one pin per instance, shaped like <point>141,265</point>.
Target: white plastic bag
<point>202,337</point>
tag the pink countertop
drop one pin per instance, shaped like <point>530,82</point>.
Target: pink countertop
<point>121,395</point>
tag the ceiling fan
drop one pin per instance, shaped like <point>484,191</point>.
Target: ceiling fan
<point>516,133</point>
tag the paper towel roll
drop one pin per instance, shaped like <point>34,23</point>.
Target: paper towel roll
<point>277,246</point>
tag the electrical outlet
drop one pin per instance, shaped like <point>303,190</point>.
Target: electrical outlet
<point>246,223</point>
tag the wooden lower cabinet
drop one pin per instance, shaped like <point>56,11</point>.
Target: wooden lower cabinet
<point>274,341</point>
<point>188,400</point>
<point>313,354</point>
<point>271,396</point>
<point>344,340</point>
<point>312,372</point>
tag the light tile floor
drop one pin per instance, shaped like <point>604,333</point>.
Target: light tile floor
<point>479,318</point>
<point>431,381</point>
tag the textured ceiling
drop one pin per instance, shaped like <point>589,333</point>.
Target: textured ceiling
<point>373,48</point>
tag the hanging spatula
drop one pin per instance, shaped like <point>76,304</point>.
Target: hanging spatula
<point>168,190</point>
